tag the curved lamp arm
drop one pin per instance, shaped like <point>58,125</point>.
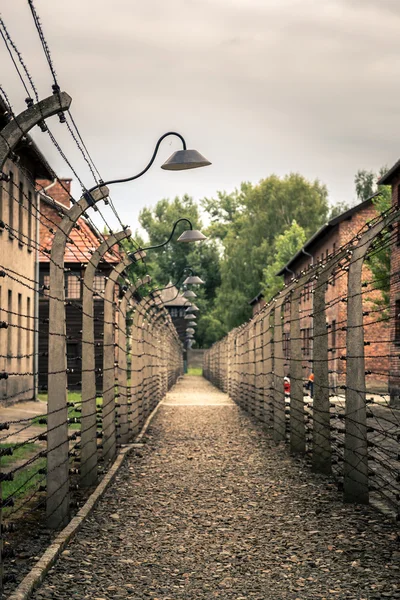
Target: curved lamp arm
<point>148,166</point>
<point>171,235</point>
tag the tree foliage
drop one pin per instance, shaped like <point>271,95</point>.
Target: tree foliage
<point>287,244</point>
<point>253,231</point>
<point>247,223</point>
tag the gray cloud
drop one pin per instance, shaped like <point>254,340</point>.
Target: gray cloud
<point>258,86</point>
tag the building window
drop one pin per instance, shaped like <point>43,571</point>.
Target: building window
<point>20,213</point>
<point>30,232</point>
<point>73,286</point>
<point>181,312</point>
<point>44,285</point>
<point>99,283</point>
<point>174,312</point>
<point>11,204</point>
<point>305,335</point>
<point>9,321</point>
<point>29,332</point>
<point>397,322</point>
<point>286,345</point>
<point>333,336</point>
<point>19,330</point>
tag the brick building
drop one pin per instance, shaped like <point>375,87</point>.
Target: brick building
<point>325,242</point>
<point>392,178</point>
<point>54,199</point>
<point>19,269</point>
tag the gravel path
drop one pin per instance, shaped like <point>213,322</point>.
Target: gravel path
<point>211,508</point>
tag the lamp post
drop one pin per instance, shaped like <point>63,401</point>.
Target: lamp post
<point>57,506</point>
<point>189,235</point>
<point>180,160</point>
<point>89,416</point>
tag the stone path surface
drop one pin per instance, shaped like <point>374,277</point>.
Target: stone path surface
<point>212,508</point>
<point>20,415</point>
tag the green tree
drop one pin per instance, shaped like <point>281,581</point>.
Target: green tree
<point>337,209</point>
<point>286,246</point>
<point>252,218</point>
<point>365,182</point>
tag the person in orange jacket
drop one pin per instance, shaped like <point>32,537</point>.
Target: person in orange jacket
<point>310,384</point>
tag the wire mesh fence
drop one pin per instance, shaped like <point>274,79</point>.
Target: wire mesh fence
<point>318,365</point>
<point>95,350</point>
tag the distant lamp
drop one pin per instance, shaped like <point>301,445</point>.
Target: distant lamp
<point>192,324</point>
<point>190,316</point>
<point>189,330</point>
<point>191,235</point>
<point>182,160</point>
<point>193,280</point>
<point>194,308</point>
<point>189,294</point>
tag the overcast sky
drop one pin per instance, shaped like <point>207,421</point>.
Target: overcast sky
<point>257,86</point>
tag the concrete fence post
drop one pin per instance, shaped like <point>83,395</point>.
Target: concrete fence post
<point>57,504</point>
<point>297,416</point>
<point>279,396</point>
<point>89,458</point>
<point>268,383</point>
<point>57,438</point>
<point>122,374</point>
<point>251,371</point>
<point>321,444</point>
<point>136,369</point>
<point>108,412</point>
<point>355,484</point>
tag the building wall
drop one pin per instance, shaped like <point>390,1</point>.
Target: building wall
<point>376,333</point>
<point>18,258</point>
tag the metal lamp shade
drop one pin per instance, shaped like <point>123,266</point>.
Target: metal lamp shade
<point>194,308</point>
<point>193,280</point>
<point>189,330</point>
<point>190,316</point>
<point>189,294</point>
<point>191,235</point>
<point>192,324</point>
<point>185,159</point>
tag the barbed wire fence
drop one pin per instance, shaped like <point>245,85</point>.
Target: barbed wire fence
<point>128,350</point>
<point>329,323</point>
